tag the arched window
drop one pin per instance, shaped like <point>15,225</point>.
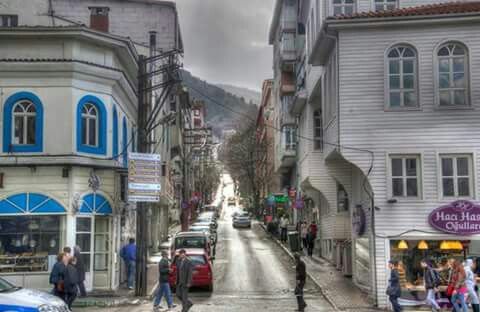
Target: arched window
<point>24,115</point>
<point>91,126</point>
<point>452,83</point>
<point>23,123</point>
<point>115,134</point>
<point>402,77</point>
<point>317,130</point>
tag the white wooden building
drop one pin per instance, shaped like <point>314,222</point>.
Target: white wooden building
<point>68,107</point>
<point>396,90</point>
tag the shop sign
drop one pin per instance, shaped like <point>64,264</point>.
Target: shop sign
<point>359,220</point>
<point>461,217</point>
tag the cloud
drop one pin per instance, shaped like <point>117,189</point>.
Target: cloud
<point>226,41</point>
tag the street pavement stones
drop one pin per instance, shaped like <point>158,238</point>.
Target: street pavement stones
<point>339,290</point>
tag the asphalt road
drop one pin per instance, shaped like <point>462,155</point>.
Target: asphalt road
<point>251,274</point>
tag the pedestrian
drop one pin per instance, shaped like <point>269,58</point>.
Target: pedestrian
<point>458,284</point>
<point>67,251</point>
<point>431,281</point>
<point>184,279</point>
<point>471,283</point>
<point>313,228</point>
<point>301,276</point>
<point>283,228</point>
<point>163,284</point>
<point>57,276</point>
<point>80,266</point>
<point>129,256</point>
<point>393,290</point>
<point>310,243</point>
<point>71,281</point>
<point>303,234</point>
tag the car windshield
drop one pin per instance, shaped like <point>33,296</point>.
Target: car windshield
<point>200,229</point>
<point>6,286</point>
<point>189,242</point>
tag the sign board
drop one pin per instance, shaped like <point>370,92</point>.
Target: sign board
<point>144,174</point>
<point>462,217</point>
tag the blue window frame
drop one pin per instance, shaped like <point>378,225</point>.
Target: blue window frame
<point>125,142</point>
<point>134,144</point>
<point>91,126</point>
<point>115,134</point>
<point>30,203</point>
<point>23,128</point>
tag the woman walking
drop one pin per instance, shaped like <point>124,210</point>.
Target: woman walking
<point>57,276</point>
<point>459,287</point>
<point>431,281</point>
<point>310,243</point>
<point>80,270</point>
<point>471,283</point>
<point>71,282</point>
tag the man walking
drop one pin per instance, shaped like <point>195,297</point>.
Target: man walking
<point>394,290</point>
<point>184,279</point>
<point>283,228</point>
<point>301,271</point>
<point>163,285</point>
<point>129,256</point>
<point>431,282</point>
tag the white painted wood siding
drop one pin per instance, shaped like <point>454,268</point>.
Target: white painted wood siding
<point>365,124</point>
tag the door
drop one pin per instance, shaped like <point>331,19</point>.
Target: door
<point>84,226</point>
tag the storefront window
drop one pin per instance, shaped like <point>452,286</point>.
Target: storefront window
<point>30,243</point>
<point>409,254</point>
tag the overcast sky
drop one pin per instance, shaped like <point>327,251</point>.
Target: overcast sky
<point>226,41</point>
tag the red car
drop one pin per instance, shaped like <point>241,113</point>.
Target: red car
<point>202,275</point>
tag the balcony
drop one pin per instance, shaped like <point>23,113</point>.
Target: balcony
<point>287,83</point>
<point>288,51</point>
<point>286,151</point>
<point>285,117</point>
<point>300,98</point>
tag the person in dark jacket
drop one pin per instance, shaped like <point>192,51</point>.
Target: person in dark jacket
<point>80,266</point>
<point>163,284</point>
<point>184,279</point>
<point>57,276</point>
<point>394,290</point>
<point>431,281</point>
<point>310,243</point>
<point>301,276</point>
<point>71,282</point>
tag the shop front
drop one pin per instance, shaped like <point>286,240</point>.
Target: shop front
<point>457,227</point>
<point>32,233</point>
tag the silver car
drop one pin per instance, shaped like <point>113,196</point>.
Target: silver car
<point>242,221</point>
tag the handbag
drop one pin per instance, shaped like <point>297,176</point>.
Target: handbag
<point>61,286</point>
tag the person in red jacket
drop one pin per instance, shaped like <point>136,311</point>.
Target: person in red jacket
<point>313,228</point>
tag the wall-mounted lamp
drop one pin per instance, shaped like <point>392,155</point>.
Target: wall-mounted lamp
<point>392,201</point>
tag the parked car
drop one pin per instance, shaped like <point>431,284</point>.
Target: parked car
<point>189,240</point>
<point>232,201</point>
<point>15,299</point>
<point>205,228</point>
<point>242,220</point>
<point>202,269</point>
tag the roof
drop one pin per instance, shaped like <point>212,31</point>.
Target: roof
<point>187,234</point>
<point>423,10</point>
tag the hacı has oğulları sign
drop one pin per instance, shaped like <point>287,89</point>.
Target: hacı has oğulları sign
<point>462,217</point>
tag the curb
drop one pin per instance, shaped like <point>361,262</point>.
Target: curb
<point>315,281</point>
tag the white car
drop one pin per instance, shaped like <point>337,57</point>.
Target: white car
<point>17,299</point>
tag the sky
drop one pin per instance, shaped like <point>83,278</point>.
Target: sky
<point>226,41</point>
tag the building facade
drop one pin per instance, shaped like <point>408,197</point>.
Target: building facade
<point>64,140</point>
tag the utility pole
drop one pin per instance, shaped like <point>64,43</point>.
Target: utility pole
<point>157,72</point>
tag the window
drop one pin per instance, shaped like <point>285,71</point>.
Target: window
<point>342,199</point>
<point>385,5</point>
<point>330,94</point>
<point>91,126</point>
<point>99,11</point>
<point>457,180</point>
<point>402,77</point>
<point>405,176</point>
<point>23,123</point>
<point>24,115</point>
<point>452,81</point>
<point>115,134</point>
<point>290,137</point>
<point>343,7</point>
<point>317,130</point>
<point>8,20</point>
<point>125,142</point>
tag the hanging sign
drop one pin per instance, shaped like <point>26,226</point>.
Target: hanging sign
<point>462,217</point>
<point>144,174</point>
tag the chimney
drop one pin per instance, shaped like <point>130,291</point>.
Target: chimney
<point>99,18</point>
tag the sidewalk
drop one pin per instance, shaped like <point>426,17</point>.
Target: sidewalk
<point>339,290</point>
<point>123,296</point>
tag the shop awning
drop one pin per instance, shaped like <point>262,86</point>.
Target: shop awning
<point>30,203</point>
<point>95,204</point>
